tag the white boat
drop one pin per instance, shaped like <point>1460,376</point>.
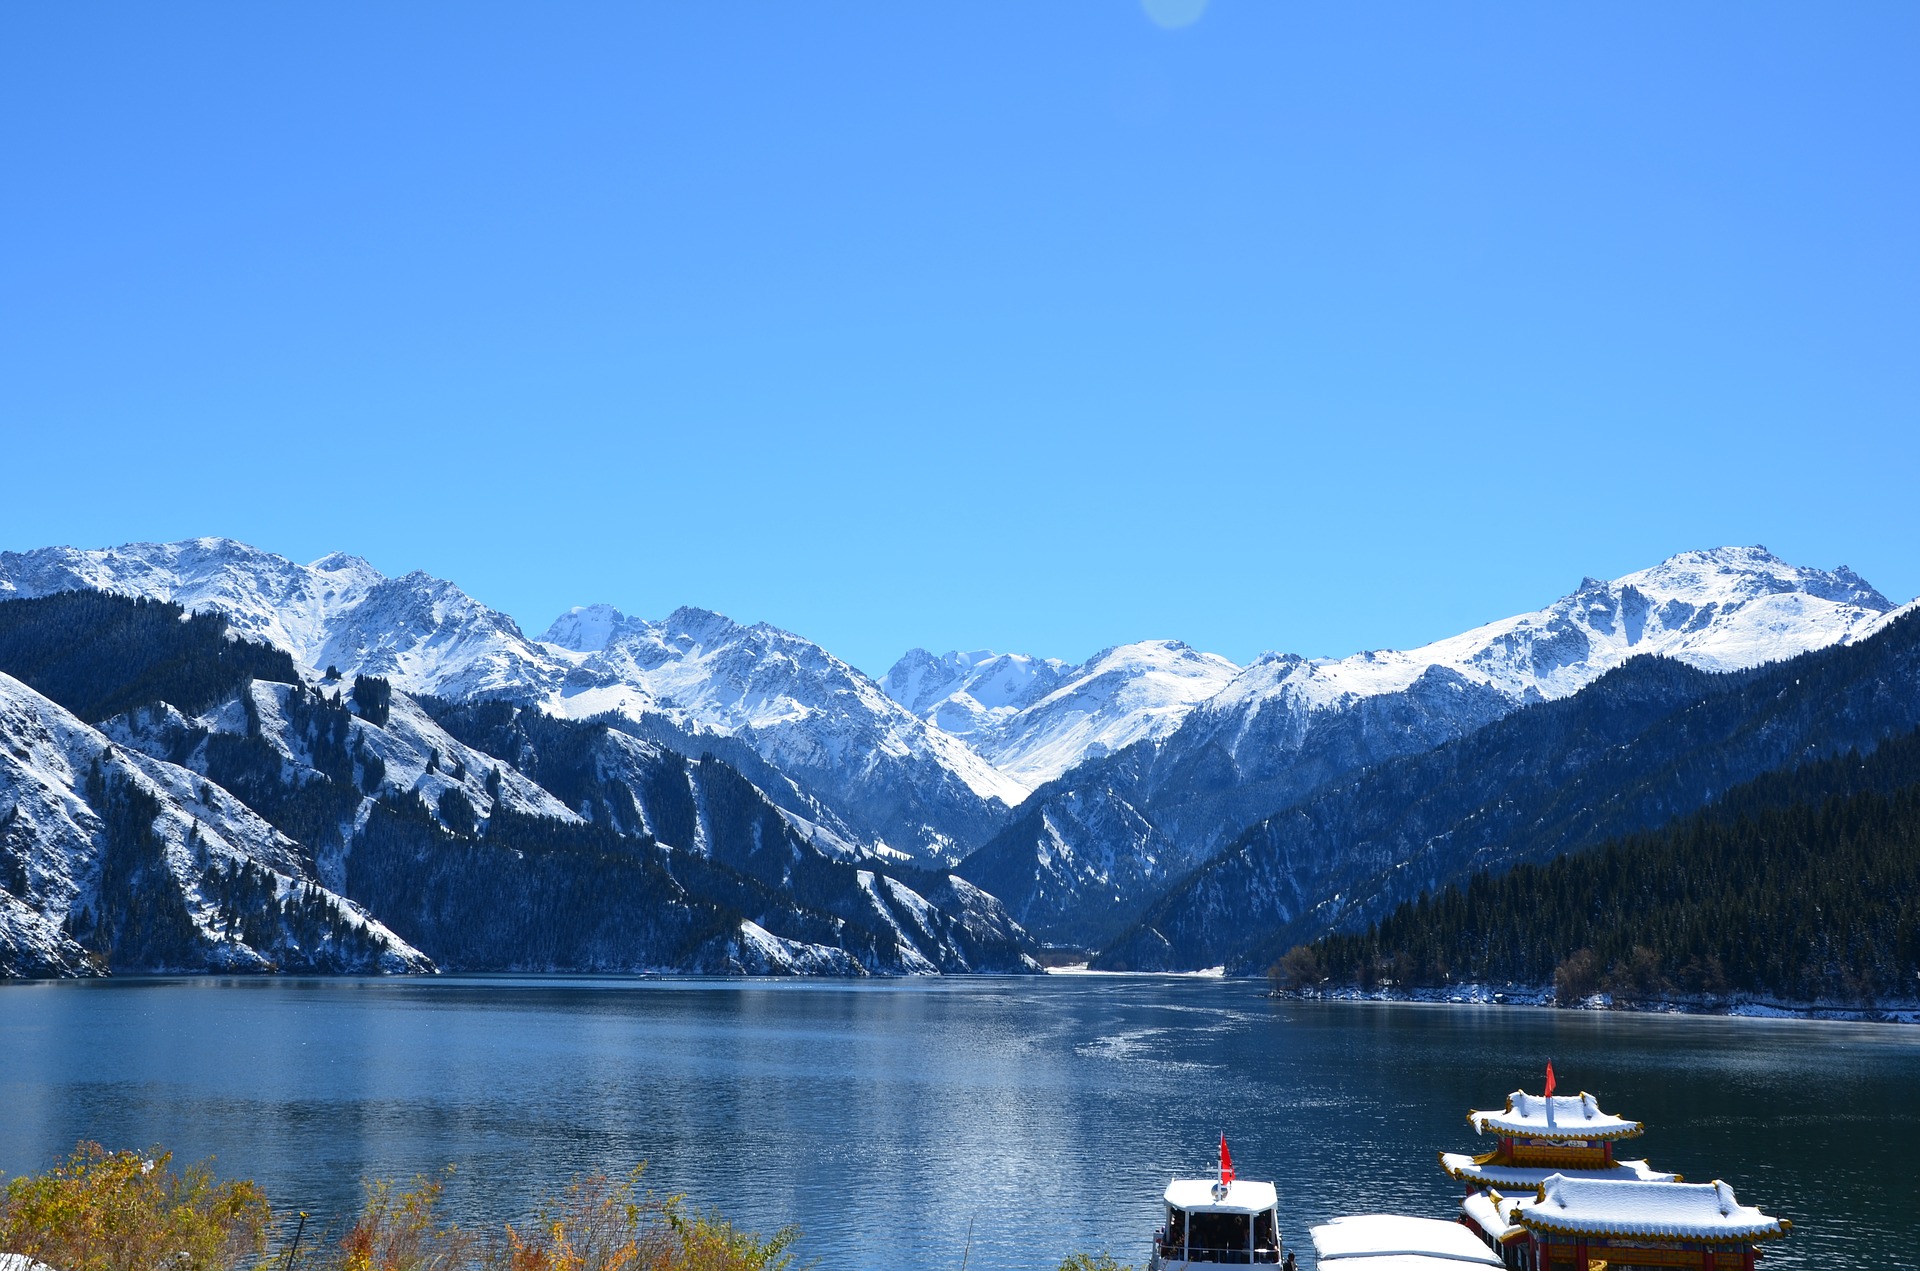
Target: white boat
<point>1217,1220</point>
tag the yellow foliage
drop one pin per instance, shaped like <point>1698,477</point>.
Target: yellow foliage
<point>129,1211</point>
<point>1092,1262</point>
<point>122,1211</point>
<point>594,1224</point>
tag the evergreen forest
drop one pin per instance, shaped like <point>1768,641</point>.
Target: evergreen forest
<point>1802,885</point>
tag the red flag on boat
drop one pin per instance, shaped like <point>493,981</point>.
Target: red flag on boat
<point>1226,1161</point>
<point>1549,1080</point>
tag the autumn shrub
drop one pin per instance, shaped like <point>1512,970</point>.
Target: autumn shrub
<point>1092,1262</point>
<point>594,1224</point>
<point>131,1211</point>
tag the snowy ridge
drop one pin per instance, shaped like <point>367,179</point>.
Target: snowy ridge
<point>425,634</point>
<point>1113,832</point>
<point>808,714</point>
<point>928,764</point>
<point>1720,610</point>
<point>757,951</point>
<point>1036,718</point>
<point>55,843</point>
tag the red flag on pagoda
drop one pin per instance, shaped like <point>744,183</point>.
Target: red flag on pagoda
<point>1226,1161</point>
<point>1549,1093</point>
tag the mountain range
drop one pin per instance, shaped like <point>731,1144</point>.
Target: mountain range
<point>1005,799</point>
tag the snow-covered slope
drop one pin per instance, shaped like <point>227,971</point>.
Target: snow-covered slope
<point>114,857</point>
<point>807,713</point>
<point>422,632</point>
<point>1035,719</point>
<point>1287,726</point>
<point>1719,610</point>
<point>863,767</point>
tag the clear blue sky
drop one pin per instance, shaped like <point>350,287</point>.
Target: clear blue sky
<point>1025,326</point>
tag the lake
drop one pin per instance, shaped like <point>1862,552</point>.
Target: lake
<point>888,1118</point>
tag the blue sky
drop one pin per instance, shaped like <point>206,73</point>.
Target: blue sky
<point>1024,326</point>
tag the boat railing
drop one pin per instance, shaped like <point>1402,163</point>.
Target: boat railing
<point>1170,1252</point>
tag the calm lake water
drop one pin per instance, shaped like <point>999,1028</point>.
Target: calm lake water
<point>884,1118</point>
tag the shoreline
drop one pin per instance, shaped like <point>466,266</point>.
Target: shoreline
<point>1733,1006</point>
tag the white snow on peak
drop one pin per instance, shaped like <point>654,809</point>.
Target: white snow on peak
<point>805,711</point>
<point>422,632</point>
<point>1719,610</point>
<point>266,597</point>
<point>1036,718</point>
<point>584,628</point>
<point>798,705</point>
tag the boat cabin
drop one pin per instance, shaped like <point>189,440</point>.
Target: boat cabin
<point>1211,1222</point>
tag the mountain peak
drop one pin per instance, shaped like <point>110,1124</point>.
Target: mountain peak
<point>1737,575</point>
<point>345,563</point>
<point>584,628</point>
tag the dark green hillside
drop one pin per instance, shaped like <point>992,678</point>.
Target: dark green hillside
<point>99,655</point>
<point>1800,885</point>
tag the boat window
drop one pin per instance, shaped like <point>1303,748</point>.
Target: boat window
<point>1266,1232</point>
<point>1218,1238</point>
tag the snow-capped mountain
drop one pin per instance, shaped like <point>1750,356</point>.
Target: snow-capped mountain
<point>1720,610</point>
<point>421,632</point>
<point>226,804</point>
<point>115,856</point>
<point>1287,726</point>
<point>861,766</point>
<point>1649,742</point>
<point>810,715</point>
<point>1142,763</point>
<point>1035,718</point>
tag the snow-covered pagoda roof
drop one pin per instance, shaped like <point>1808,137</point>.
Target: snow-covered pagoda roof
<point>1471,1169</point>
<point>1483,1209</point>
<point>1364,1237</point>
<point>1554,1117</point>
<point>1195,1195</point>
<point>1670,1211</point>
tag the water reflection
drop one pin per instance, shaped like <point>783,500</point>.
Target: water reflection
<point>885,1118</point>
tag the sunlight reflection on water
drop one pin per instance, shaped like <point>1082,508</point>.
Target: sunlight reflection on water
<point>883,1118</point>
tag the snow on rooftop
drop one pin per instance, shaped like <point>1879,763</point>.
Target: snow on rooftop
<point>1673,1211</point>
<point>1468,1170</point>
<point>1378,1235</point>
<point>1243,1197</point>
<point>1485,1213</point>
<point>1557,1117</point>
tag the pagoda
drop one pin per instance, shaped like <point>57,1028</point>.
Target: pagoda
<point>1561,1148</point>
<point>1547,1134</point>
